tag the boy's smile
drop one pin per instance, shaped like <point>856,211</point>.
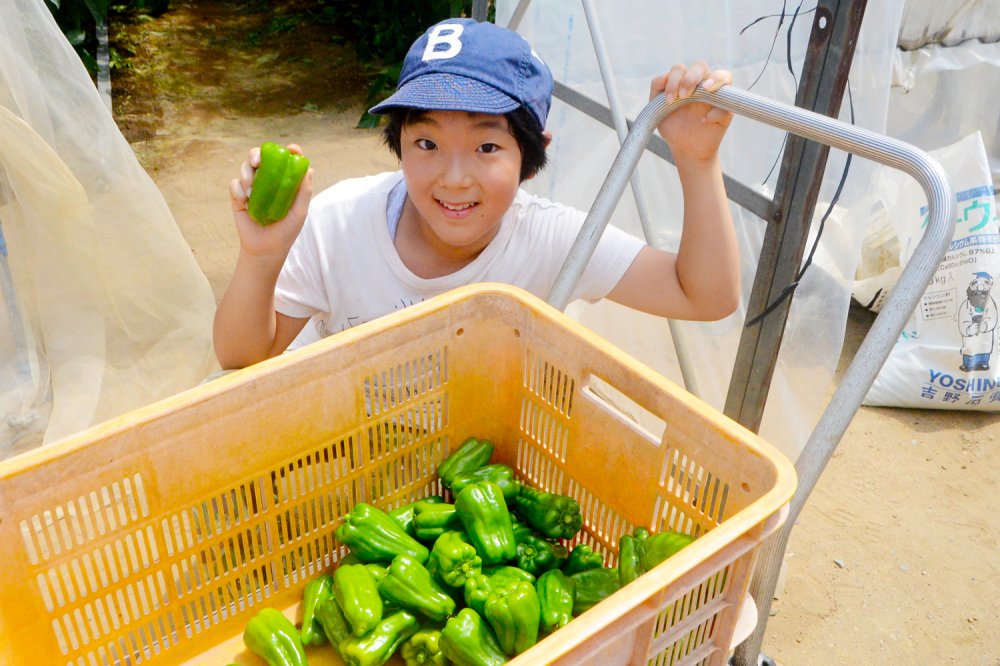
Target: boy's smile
<point>462,172</point>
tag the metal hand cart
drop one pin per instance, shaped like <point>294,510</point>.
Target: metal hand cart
<point>885,330</point>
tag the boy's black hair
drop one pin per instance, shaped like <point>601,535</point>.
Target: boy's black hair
<point>523,127</point>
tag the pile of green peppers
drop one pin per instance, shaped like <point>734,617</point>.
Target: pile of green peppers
<point>472,582</point>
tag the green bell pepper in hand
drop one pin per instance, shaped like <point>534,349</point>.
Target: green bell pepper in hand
<point>553,515</point>
<point>454,559</point>
<point>374,536</point>
<point>484,514</point>
<point>316,590</point>
<point>275,183</point>
<point>502,475</point>
<point>409,584</point>
<point>432,520</point>
<point>272,636</point>
<point>472,454</point>
<point>468,640</point>
<point>424,649</point>
<point>378,645</point>
<point>581,558</point>
<point>556,591</point>
<point>592,587</point>
<point>513,612</point>
<point>357,594</point>
<point>662,545</point>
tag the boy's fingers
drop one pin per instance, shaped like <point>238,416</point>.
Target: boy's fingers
<point>694,75</point>
<point>237,196</point>
<point>716,79</point>
<point>674,78</point>
<point>253,157</point>
<point>657,85</point>
<point>719,116</point>
<point>301,203</point>
<point>246,176</point>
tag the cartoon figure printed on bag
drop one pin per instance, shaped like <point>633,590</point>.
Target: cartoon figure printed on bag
<point>977,319</point>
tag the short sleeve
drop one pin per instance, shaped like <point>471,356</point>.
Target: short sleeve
<point>300,291</point>
<point>612,257</point>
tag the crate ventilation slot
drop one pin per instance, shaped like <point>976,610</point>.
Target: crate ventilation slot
<point>86,519</point>
<point>600,519</point>
<point>109,613</point>
<point>690,648</point>
<point>545,430</point>
<point>695,606</point>
<point>549,383</point>
<point>405,428</point>
<point>694,486</point>
<point>391,387</point>
<point>537,467</point>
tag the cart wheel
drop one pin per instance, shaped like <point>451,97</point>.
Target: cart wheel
<point>762,660</point>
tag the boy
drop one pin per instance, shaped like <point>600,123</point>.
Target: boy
<point>467,124</point>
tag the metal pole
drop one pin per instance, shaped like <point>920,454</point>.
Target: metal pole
<point>515,18</point>
<point>480,9</point>
<point>681,350</point>
<point>835,28</point>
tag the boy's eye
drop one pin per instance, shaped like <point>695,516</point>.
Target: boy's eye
<point>425,144</point>
<point>489,148</point>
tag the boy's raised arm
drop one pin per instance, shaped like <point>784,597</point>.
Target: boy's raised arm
<point>701,281</point>
<point>247,329</point>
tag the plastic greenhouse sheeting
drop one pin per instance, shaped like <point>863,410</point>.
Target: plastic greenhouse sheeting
<point>104,308</point>
<point>942,94</point>
<point>757,43</point>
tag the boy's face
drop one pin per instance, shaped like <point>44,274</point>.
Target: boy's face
<point>462,172</point>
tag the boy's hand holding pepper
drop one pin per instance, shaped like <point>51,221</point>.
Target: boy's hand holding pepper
<point>694,130</point>
<point>275,239</point>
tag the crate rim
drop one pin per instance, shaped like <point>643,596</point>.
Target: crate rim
<point>780,493</point>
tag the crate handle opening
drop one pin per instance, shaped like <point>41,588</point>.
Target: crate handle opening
<point>617,402</point>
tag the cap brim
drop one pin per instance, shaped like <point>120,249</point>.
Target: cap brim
<point>448,92</point>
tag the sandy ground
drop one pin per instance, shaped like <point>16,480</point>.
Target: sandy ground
<point>895,559</point>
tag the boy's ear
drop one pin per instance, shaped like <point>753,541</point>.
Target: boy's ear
<point>547,140</point>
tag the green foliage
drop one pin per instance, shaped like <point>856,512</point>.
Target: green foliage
<point>78,21</point>
<point>282,24</point>
<point>383,30</point>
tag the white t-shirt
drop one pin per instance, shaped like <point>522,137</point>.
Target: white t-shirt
<point>343,269</point>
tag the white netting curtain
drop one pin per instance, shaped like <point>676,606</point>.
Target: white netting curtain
<point>104,308</point>
<point>754,40</point>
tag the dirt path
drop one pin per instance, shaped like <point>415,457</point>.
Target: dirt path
<point>896,559</point>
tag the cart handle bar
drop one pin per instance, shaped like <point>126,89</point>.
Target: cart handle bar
<point>885,330</point>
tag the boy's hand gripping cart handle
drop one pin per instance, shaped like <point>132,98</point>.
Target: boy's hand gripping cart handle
<point>885,330</point>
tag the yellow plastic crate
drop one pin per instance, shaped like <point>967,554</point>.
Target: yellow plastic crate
<point>153,538</point>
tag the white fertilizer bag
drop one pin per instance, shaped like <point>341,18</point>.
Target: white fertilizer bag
<point>948,355</point>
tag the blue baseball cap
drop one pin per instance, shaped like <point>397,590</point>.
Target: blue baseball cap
<point>461,64</point>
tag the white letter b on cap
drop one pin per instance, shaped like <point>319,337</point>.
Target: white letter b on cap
<point>445,35</point>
